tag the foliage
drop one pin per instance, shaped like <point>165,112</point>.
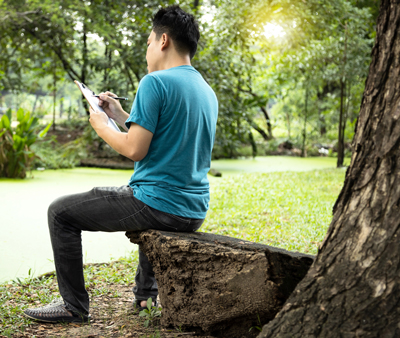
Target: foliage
<point>16,156</point>
<point>150,313</point>
<point>103,44</point>
<point>52,155</point>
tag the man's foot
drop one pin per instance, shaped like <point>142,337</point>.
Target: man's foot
<point>142,304</point>
<point>56,312</point>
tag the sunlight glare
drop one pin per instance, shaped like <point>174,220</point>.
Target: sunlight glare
<point>272,30</point>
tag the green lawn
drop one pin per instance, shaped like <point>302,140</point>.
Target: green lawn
<point>266,164</point>
<point>290,210</point>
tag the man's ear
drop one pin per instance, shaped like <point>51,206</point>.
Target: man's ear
<point>165,41</point>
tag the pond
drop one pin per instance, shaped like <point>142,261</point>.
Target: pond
<point>25,245</point>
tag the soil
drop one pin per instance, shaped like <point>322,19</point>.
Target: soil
<point>111,316</point>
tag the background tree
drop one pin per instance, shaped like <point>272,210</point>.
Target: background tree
<point>353,288</point>
<point>102,43</point>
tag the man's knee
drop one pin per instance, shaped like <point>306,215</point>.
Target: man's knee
<point>55,207</point>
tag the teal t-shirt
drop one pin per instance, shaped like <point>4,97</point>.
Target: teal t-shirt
<point>181,110</point>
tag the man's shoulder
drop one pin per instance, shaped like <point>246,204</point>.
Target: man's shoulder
<point>181,79</point>
<point>152,81</point>
<point>175,73</point>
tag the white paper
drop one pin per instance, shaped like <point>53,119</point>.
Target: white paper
<point>94,103</point>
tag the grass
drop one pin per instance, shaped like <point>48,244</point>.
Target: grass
<point>290,210</point>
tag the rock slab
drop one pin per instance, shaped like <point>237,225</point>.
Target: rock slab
<point>218,285</point>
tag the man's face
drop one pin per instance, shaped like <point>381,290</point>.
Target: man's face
<point>154,53</point>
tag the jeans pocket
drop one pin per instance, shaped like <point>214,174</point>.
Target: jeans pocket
<point>169,222</point>
<point>136,221</point>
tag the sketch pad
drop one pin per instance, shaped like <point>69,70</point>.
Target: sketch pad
<point>94,102</point>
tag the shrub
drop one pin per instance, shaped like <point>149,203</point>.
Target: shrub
<point>16,156</point>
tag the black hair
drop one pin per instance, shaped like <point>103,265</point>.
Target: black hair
<point>180,26</point>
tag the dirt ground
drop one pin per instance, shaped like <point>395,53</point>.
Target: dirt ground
<point>111,317</point>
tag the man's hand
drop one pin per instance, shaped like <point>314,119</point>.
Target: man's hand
<point>112,107</point>
<point>98,120</point>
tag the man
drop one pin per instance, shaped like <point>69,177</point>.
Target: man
<point>170,135</point>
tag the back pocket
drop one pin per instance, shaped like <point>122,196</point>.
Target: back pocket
<point>136,221</point>
<point>169,221</point>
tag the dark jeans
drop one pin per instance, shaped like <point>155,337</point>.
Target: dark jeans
<point>103,209</point>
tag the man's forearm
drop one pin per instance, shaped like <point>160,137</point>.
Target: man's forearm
<point>121,120</point>
<point>118,141</point>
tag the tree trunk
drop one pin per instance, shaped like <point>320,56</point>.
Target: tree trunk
<point>253,145</point>
<point>328,88</point>
<point>54,93</point>
<point>288,124</point>
<point>340,155</point>
<point>61,111</point>
<point>268,121</point>
<point>84,64</point>
<point>259,130</point>
<point>79,101</point>
<point>34,103</point>
<point>342,120</point>
<point>353,289</point>
<point>322,126</point>
<point>219,285</point>
<point>303,147</point>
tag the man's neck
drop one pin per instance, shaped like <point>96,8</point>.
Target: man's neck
<point>174,61</point>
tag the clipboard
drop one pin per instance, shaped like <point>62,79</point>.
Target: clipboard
<point>94,102</point>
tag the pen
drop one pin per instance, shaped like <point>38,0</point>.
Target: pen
<point>115,98</point>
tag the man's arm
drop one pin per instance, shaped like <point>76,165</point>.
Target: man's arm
<point>134,144</point>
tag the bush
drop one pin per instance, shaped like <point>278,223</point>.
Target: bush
<point>51,155</point>
<point>16,156</point>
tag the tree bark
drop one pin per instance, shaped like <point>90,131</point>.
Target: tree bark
<point>353,287</point>
<point>54,93</point>
<point>268,121</point>
<point>288,124</point>
<point>218,285</point>
<point>340,155</point>
<point>342,119</point>
<point>34,103</point>
<point>84,64</point>
<point>61,107</point>
<point>259,130</point>
<point>253,144</point>
<point>303,147</point>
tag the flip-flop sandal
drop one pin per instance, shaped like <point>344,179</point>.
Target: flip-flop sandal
<point>136,304</point>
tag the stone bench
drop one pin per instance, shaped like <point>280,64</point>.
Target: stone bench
<point>218,285</point>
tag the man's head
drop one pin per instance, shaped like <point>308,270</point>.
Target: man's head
<point>172,28</point>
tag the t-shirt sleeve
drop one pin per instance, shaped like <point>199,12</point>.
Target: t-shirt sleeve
<point>147,105</point>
